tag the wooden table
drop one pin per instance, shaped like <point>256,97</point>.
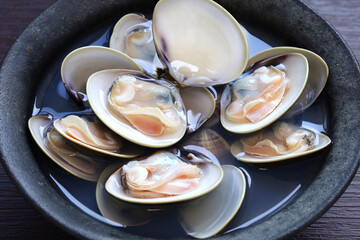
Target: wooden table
<point>20,220</point>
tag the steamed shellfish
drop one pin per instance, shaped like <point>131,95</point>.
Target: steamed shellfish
<point>261,97</point>
<point>136,107</point>
<point>86,165</point>
<point>282,141</point>
<point>163,178</point>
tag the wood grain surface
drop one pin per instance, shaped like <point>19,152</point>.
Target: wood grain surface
<point>19,220</point>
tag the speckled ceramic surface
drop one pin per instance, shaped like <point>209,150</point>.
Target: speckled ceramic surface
<point>282,22</point>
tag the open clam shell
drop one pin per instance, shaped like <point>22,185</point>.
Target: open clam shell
<point>200,105</point>
<point>120,212</point>
<point>82,62</point>
<point>211,175</point>
<point>81,165</point>
<point>204,217</point>
<point>125,149</point>
<point>199,41</point>
<point>98,87</point>
<point>317,78</point>
<point>296,71</point>
<point>132,35</point>
<point>319,142</point>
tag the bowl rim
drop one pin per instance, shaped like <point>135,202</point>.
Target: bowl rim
<point>22,63</point>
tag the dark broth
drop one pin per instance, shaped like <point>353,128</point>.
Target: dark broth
<point>270,187</point>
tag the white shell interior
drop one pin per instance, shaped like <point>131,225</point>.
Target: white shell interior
<point>140,49</point>
<point>211,176</point>
<point>199,42</point>
<point>297,73</point>
<point>97,89</point>
<point>205,217</point>
<point>117,40</point>
<point>321,142</point>
<point>82,62</point>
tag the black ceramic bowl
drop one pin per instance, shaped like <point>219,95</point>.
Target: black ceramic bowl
<point>281,22</point>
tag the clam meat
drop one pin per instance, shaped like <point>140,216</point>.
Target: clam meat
<point>149,107</point>
<point>132,104</point>
<point>256,95</point>
<point>88,131</point>
<point>318,74</point>
<point>160,175</point>
<point>77,161</point>
<point>264,93</point>
<point>164,177</point>
<point>281,141</point>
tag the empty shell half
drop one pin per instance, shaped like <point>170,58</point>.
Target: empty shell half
<point>204,218</point>
<point>132,35</point>
<point>199,41</point>
<point>78,65</point>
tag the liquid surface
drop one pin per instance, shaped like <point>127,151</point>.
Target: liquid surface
<point>269,187</point>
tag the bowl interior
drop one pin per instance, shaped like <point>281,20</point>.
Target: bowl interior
<point>278,23</point>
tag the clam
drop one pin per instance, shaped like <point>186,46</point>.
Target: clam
<point>264,93</point>
<point>205,217</point>
<point>132,35</point>
<point>136,107</point>
<point>89,132</point>
<point>164,178</point>
<point>318,73</point>
<point>78,65</point>
<point>280,142</point>
<point>119,212</point>
<point>80,163</point>
<point>200,105</point>
<point>200,43</point>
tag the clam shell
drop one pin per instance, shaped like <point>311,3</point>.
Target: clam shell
<point>321,142</point>
<point>118,37</point>
<point>82,62</point>
<point>127,150</point>
<point>199,104</point>
<point>199,41</point>
<point>84,168</point>
<point>141,47</point>
<point>211,176</point>
<point>205,217</point>
<point>97,89</point>
<point>317,78</point>
<point>119,212</point>
<point>296,71</point>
